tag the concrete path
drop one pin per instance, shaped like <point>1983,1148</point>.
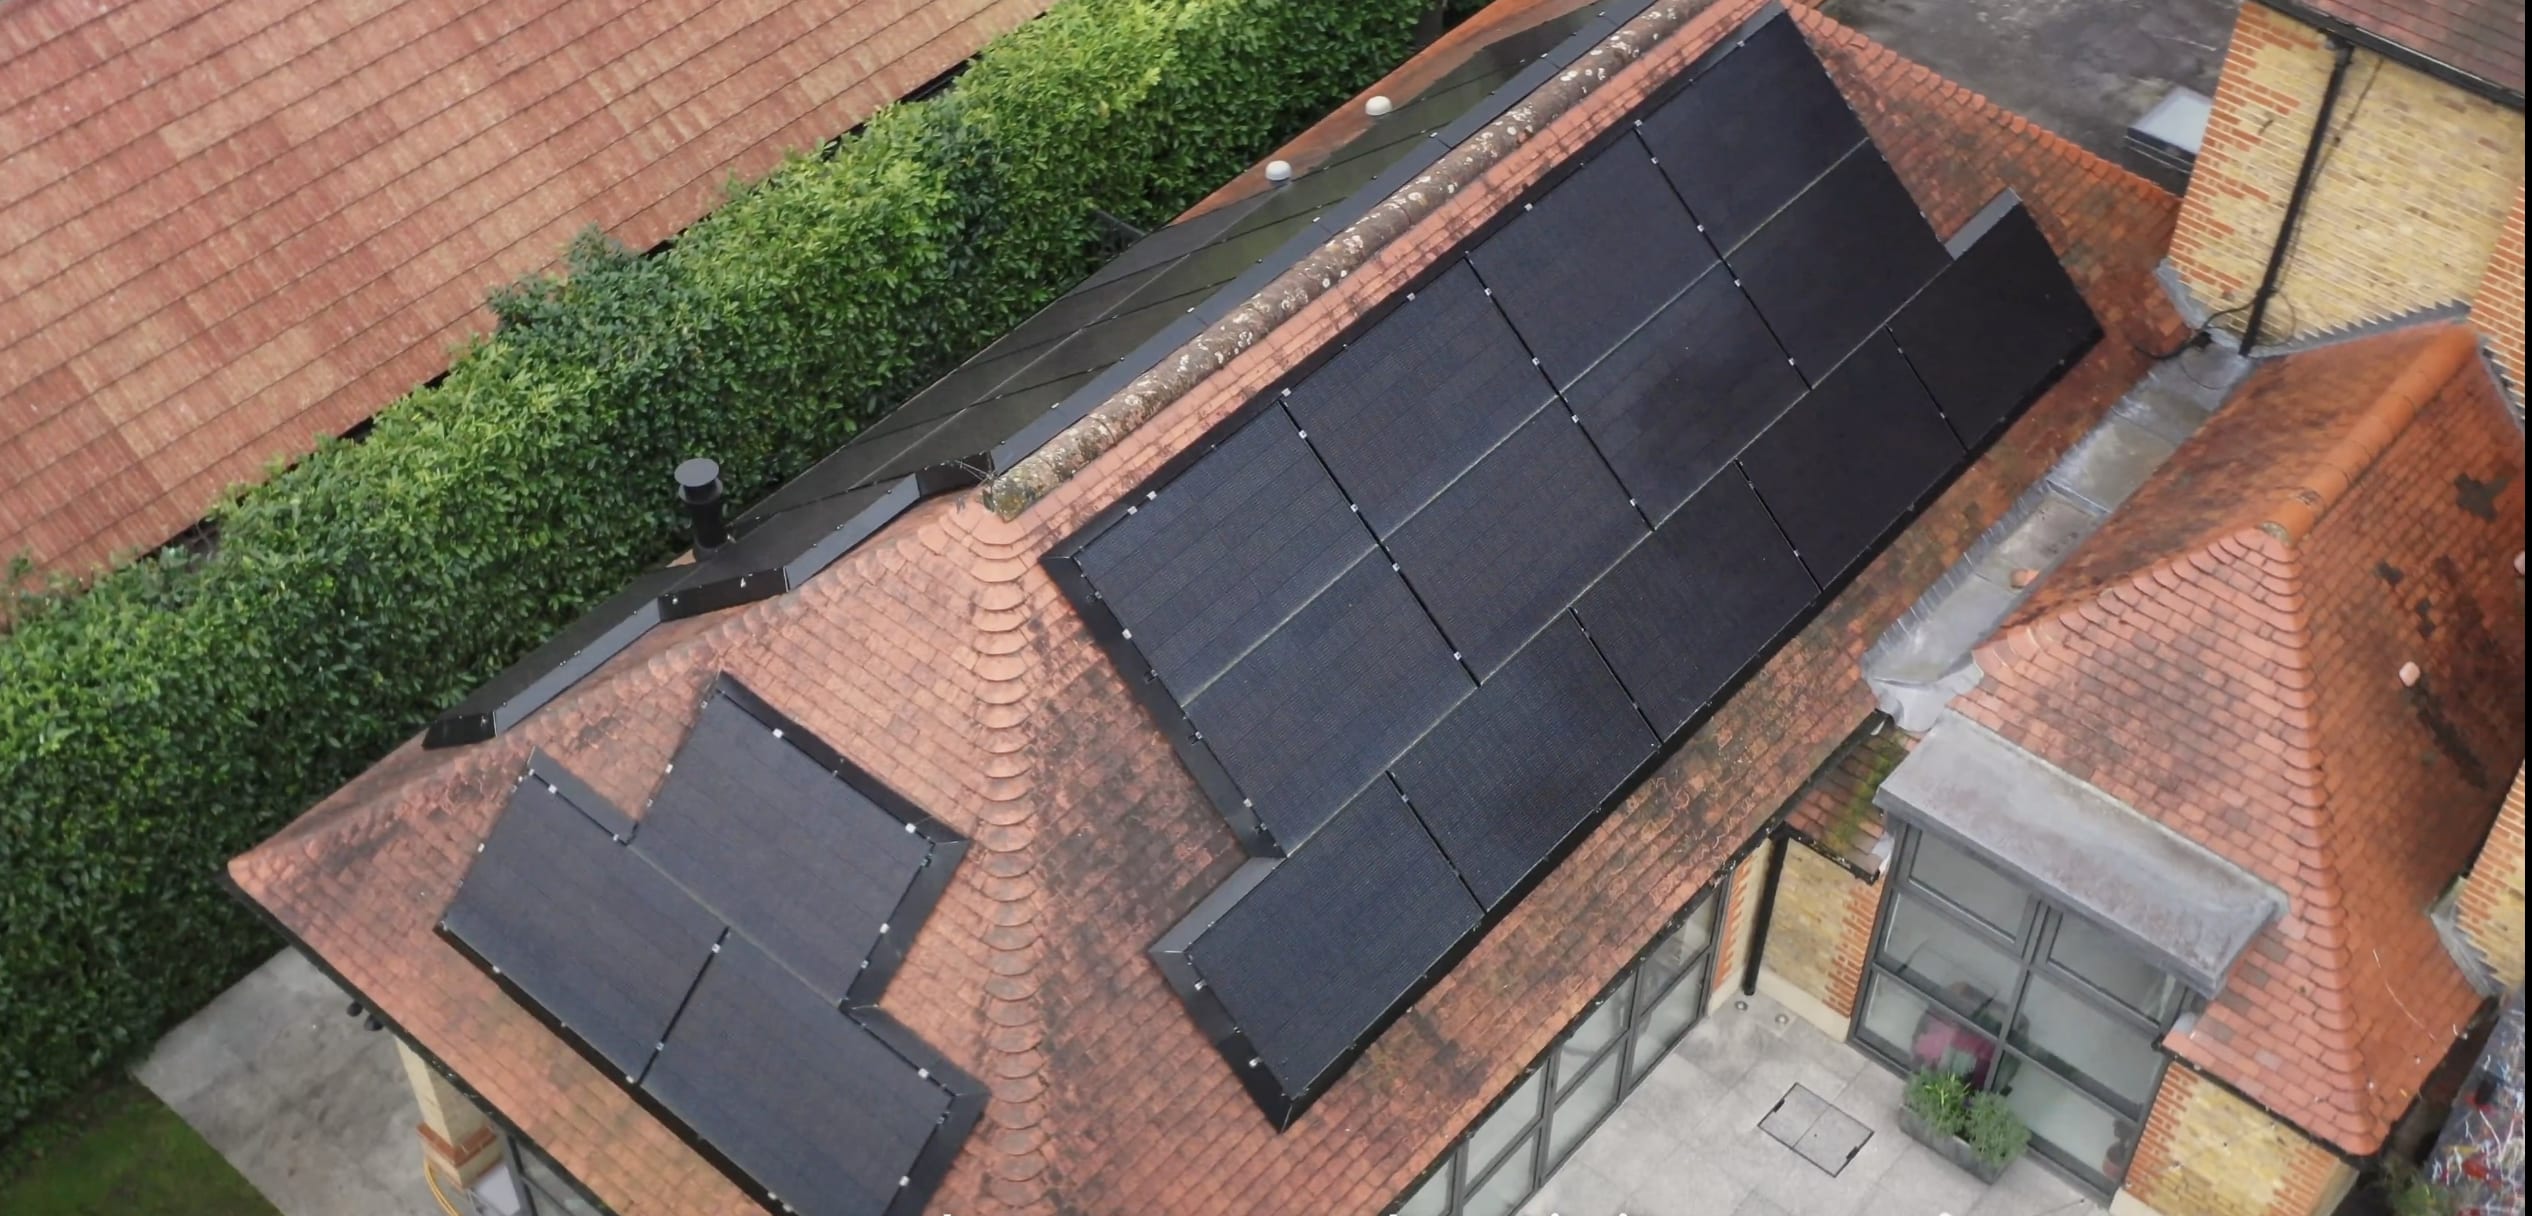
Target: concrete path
<point>306,1101</point>
<point>1688,1142</point>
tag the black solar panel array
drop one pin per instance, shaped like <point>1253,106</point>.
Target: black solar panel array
<point>1589,473</point>
<point>723,956</point>
<point>1312,949</point>
<point>763,826</point>
<point>1051,369</point>
<point>557,909</point>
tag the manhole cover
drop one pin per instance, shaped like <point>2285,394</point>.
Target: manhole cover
<point>1824,1135</point>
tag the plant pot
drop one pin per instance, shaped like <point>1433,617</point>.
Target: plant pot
<point>1953,1148</point>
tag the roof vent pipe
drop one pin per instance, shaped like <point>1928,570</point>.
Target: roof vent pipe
<point>699,487</point>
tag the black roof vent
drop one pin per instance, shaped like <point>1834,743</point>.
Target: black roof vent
<point>699,487</point>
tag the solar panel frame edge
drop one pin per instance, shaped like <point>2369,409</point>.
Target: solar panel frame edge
<point>510,986</point>
<point>1170,954</point>
<point>913,910</point>
<point>1282,1106</point>
<point>824,754</point>
<point>1142,680</point>
<point>489,716</point>
<point>696,595</point>
<point>589,802</point>
<point>967,1099</point>
<point>702,1146</point>
<point>1995,214</point>
<point>966,1107</point>
<point>535,1009</point>
<point>947,846</point>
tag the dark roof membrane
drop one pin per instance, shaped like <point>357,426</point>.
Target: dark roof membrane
<point>1050,370</point>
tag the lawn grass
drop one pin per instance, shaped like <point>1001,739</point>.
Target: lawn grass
<point>119,1152</point>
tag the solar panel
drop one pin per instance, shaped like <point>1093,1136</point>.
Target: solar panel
<point>1760,411</point>
<point>542,674</point>
<point>600,944</point>
<point>1506,780</point>
<point>1168,243</point>
<point>1748,135</point>
<point>1685,394</point>
<point>780,552</point>
<point>1418,398</point>
<point>815,859</point>
<point>1692,607</point>
<point>805,1105</point>
<point>1318,708</point>
<point>1241,541</point>
<point>1831,268</point>
<point>1991,331</point>
<point>1330,945</point>
<point>1507,547</point>
<point>1835,495</point>
<point>1587,263</point>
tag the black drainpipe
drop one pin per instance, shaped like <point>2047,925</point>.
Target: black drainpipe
<point>1775,847</point>
<point>2342,53</point>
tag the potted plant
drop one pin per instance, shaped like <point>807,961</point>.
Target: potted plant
<point>1976,1132</point>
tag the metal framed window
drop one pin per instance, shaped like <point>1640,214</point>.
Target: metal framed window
<point>1972,972</point>
<point>1507,1155</point>
<point>544,1188</point>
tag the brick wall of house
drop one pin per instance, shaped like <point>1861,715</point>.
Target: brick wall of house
<point>2490,910</point>
<point>2411,196</point>
<point>2207,1152</point>
<point>2497,308</point>
<point>1821,928</point>
<point>1733,931</point>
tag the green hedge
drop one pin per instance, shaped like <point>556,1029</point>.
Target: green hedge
<point>179,711</point>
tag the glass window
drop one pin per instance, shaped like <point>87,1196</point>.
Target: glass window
<point>1502,1191</point>
<point>1678,951</point>
<point>548,1194</point>
<point>1593,1036</point>
<point>2081,1132</point>
<point>1512,1118</point>
<point>1433,1198</point>
<point>1667,1021</point>
<point>1978,889</point>
<point>2104,962</point>
<point>2073,1037</point>
<point>1592,1095</point>
<point>1922,1034</point>
<point>1947,960</point>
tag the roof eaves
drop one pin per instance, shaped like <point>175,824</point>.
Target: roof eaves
<point>2509,96</point>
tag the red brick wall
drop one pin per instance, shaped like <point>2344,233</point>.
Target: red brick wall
<point>2490,910</point>
<point>2497,309</point>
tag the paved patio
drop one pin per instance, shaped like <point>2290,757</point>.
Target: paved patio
<point>307,1102</point>
<point>1689,1142</point>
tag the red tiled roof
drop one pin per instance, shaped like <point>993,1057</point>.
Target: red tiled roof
<point>942,656</point>
<point>1835,811</point>
<point>2225,656</point>
<point>230,228</point>
<point>2482,38</point>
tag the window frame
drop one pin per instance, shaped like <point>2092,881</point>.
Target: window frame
<point>2032,948</point>
<point>1562,1079</point>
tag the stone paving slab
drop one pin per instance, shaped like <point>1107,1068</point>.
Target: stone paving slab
<point>305,1100</point>
<point>1689,1141</point>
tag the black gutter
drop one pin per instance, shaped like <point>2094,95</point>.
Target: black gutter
<point>1766,910</point>
<point>2343,53</point>
<point>2510,98</point>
